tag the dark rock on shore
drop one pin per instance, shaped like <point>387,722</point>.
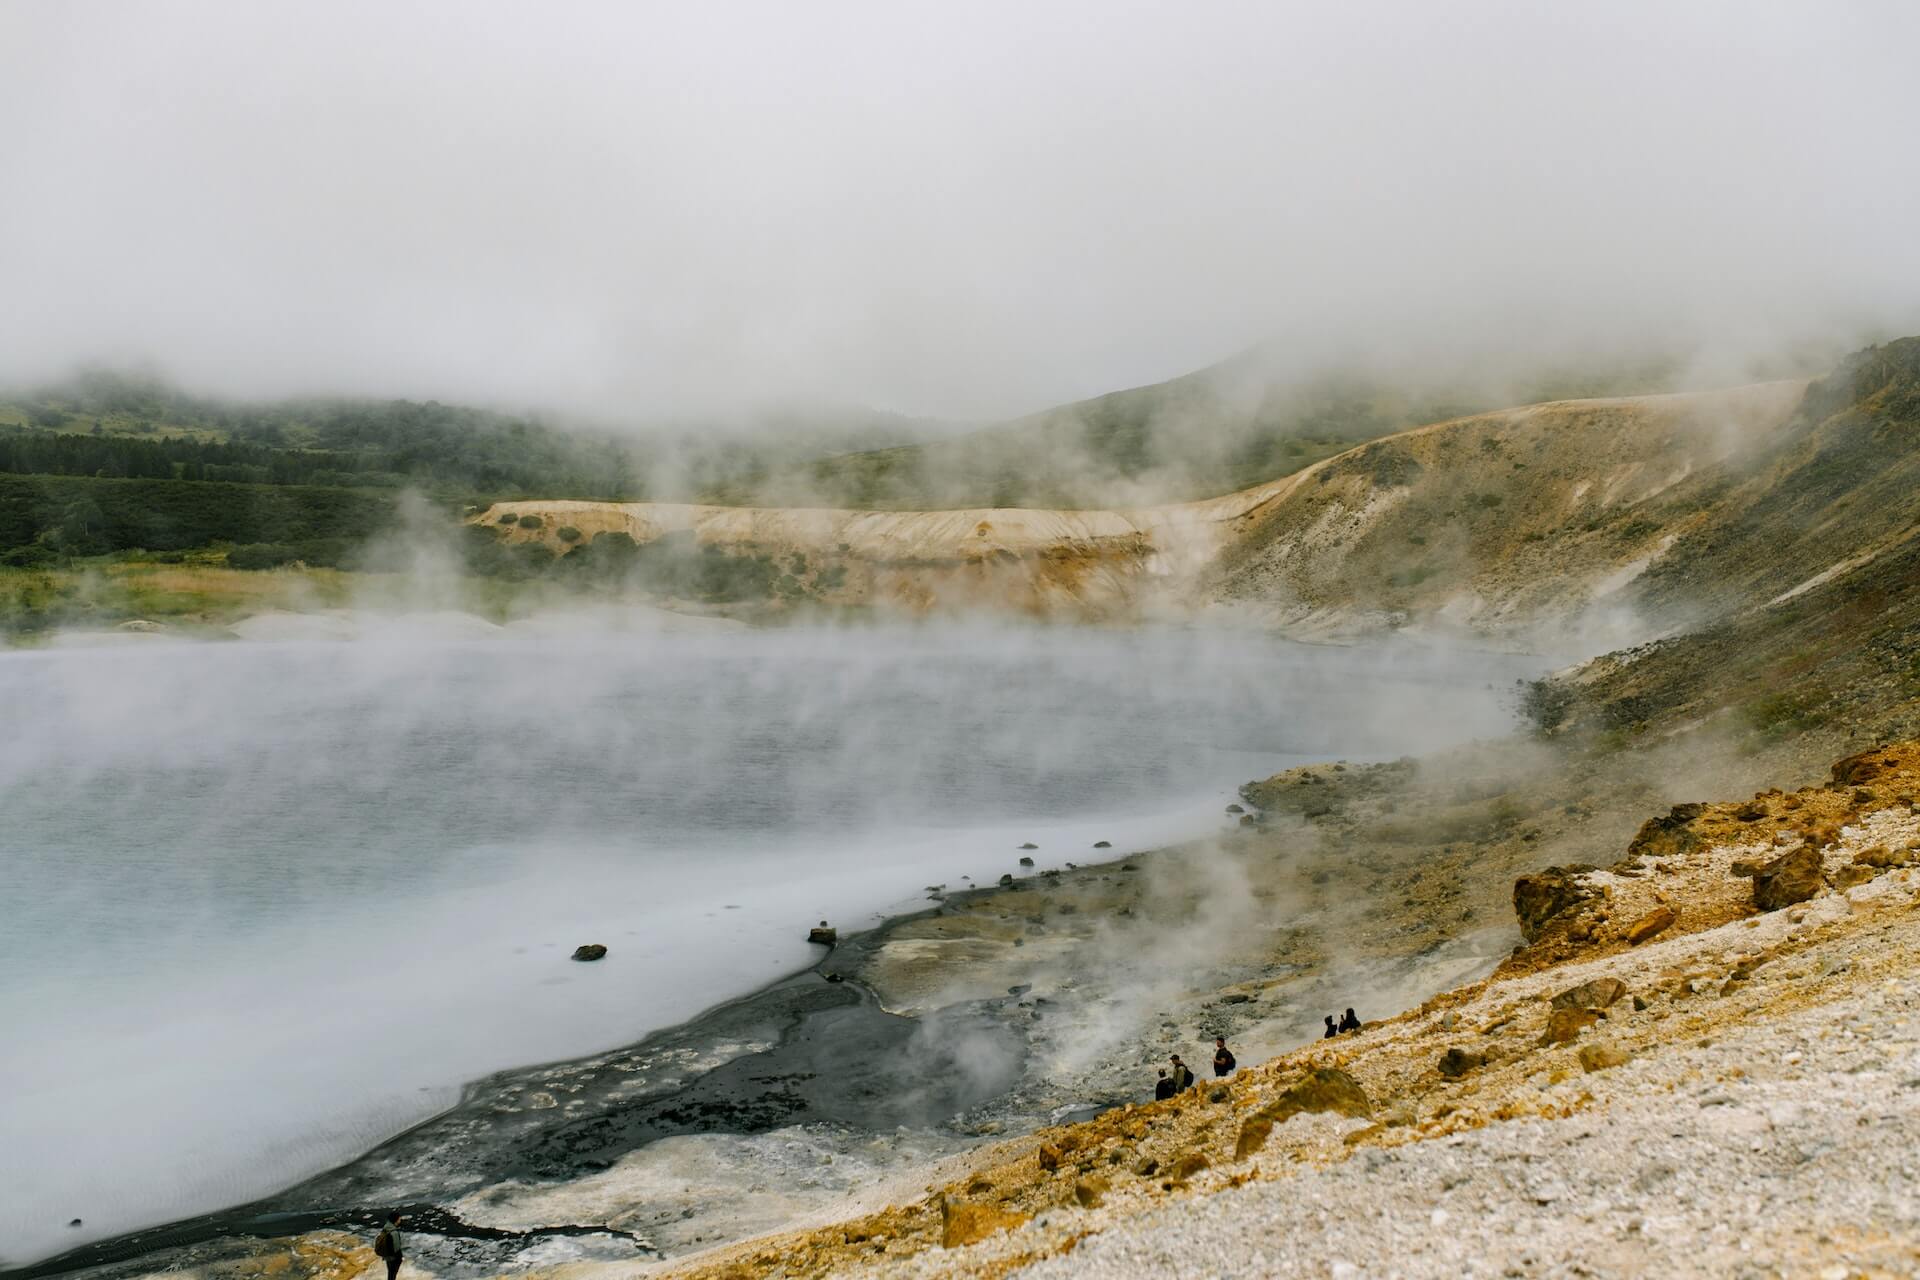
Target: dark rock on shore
<point>589,951</point>
<point>824,934</point>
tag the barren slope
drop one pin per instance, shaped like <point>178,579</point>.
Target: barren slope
<point>1492,522</point>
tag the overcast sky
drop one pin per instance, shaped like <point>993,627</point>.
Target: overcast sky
<point>964,209</point>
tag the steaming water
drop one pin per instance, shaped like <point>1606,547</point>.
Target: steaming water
<point>266,904</point>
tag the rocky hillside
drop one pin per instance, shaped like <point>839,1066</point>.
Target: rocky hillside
<point>1696,1063</point>
<point>1490,523</point>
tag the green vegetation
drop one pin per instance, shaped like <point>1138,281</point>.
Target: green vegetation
<point>113,425</point>
<point>75,515</point>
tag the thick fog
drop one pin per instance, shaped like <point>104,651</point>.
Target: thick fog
<point>965,211</point>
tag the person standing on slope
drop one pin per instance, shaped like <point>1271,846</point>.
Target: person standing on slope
<point>1223,1062</point>
<point>1182,1078</point>
<point>388,1245</point>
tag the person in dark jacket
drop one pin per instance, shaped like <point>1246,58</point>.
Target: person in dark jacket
<point>1332,1030</point>
<point>1349,1023</point>
<point>1163,1087</point>
<point>1223,1062</point>
<point>1182,1078</point>
<point>388,1245</point>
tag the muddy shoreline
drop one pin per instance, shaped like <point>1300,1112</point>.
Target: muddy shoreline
<point>812,1048</point>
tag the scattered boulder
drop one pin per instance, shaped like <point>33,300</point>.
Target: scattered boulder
<point>1456,1062</point>
<point>1103,844</point>
<point>1852,874</point>
<point>1006,881</point>
<point>1598,1057</point>
<point>1863,767</point>
<point>1189,1165</point>
<point>1793,877</point>
<point>1597,994</point>
<point>1668,837</point>
<point>1089,1191</point>
<point>1050,1157</point>
<point>589,951</point>
<point>1026,862</point>
<point>1218,1095</point>
<point>1565,1025</point>
<point>824,934</point>
<point>1652,924</point>
<point>1540,897</point>
<point>1881,856</point>
<point>1324,1089</point>
<point>1253,1135</point>
<point>967,1222</point>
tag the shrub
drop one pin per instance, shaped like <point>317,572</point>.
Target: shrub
<point>569,534</point>
<point>531,521</point>
<point>1546,703</point>
<point>509,518</point>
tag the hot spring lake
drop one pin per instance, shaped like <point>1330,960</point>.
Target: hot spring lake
<point>267,904</point>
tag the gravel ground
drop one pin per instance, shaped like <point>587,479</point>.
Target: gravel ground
<point>1796,1172</point>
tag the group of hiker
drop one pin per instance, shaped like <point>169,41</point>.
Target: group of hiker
<point>1181,1078</point>
<point>1347,1023</point>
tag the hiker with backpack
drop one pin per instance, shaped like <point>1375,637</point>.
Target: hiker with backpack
<point>389,1246</point>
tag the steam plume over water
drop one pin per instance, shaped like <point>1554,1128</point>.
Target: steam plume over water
<point>270,903</point>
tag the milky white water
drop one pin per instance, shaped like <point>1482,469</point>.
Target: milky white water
<point>266,904</point>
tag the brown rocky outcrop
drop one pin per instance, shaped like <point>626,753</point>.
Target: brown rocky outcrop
<point>1792,877</point>
<point>1862,767</point>
<point>1540,897</point>
<point>1089,1191</point>
<point>1457,1062</point>
<point>1565,1025</point>
<point>1650,925</point>
<point>1597,994</point>
<point>1669,837</point>
<point>964,1222</point>
<point>1598,1057</point>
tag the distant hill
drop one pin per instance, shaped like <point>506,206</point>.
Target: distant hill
<point>1226,427</point>
<point>116,424</point>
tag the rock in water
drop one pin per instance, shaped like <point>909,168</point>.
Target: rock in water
<point>1234,808</point>
<point>824,934</point>
<point>1026,862</point>
<point>1792,877</point>
<point>1103,844</point>
<point>1006,881</point>
<point>589,951</point>
<point>1029,845</point>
